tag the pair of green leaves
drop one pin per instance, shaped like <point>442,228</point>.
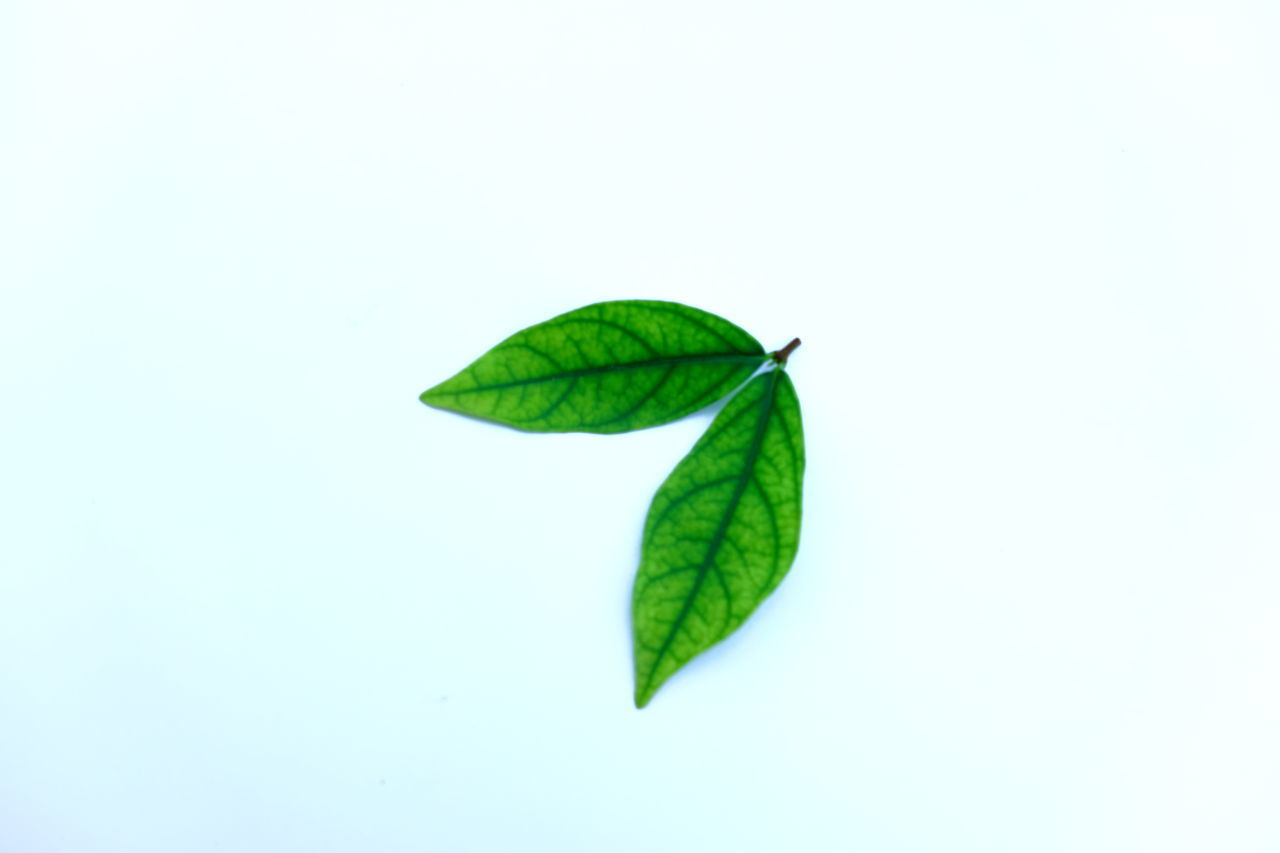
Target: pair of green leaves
<point>723,529</point>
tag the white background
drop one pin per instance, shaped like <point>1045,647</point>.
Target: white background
<point>255,597</point>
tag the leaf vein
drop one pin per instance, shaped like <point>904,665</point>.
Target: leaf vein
<point>685,498</point>
<point>631,333</point>
<point>697,322</point>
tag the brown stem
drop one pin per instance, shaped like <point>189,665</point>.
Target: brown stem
<point>781,355</point>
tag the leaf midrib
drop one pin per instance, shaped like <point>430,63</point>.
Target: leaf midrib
<point>575,373</point>
<point>718,538</point>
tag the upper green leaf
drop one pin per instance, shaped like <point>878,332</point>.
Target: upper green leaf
<point>609,367</point>
<point>722,531</point>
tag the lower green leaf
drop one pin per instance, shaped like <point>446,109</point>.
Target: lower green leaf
<point>722,531</point>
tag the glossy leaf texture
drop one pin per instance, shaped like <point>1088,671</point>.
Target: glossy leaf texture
<point>722,531</point>
<point>606,368</point>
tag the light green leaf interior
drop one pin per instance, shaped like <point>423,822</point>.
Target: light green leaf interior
<point>722,531</point>
<point>605,368</point>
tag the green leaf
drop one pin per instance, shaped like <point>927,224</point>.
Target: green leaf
<point>722,531</point>
<point>606,368</point>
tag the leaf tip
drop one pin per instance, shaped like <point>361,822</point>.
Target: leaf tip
<point>647,686</point>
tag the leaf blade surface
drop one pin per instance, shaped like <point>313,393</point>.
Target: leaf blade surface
<point>721,533</point>
<point>606,368</point>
